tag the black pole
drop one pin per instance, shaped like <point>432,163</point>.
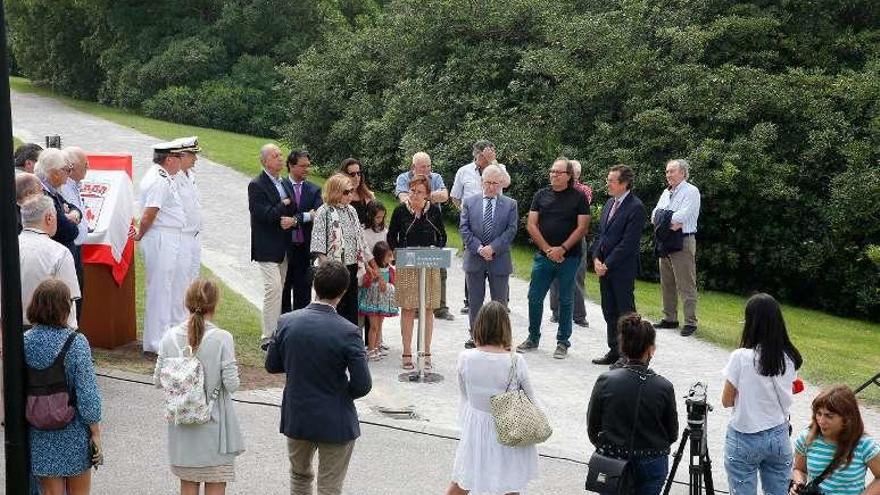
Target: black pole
<point>18,455</point>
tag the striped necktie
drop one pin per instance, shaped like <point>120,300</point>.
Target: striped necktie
<point>487,219</point>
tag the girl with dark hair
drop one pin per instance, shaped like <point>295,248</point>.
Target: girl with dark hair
<point>361,195</point>
<point>482,464</point>
<point>632,412</point>
<point>835,447</point>
<point>758,387</point>
<point>205,453</point>
<point>376,297</point>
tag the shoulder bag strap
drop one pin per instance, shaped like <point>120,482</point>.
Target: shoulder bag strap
<point>512,374</point>
<point>632,435</point>
<point>65,347</point>
<point>781,408</point>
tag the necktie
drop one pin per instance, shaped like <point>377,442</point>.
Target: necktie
<point>297,233</point>
<point>487,220</point>
<point>613,209</point>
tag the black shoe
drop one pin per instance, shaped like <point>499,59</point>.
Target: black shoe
<point>620,363</point>
<point>470,344</point>
<point>554,318</point>
<point>666,324</point>
<point>609,358</point>
<point>264,345</point>
<point>443,314</point>
<point>464,310</point>
<point>582,322</point>
<point>688,330</point>
<point>526,346</point>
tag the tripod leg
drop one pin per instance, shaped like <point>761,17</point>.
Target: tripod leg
<point>676,459</point>
<point>706,463</point>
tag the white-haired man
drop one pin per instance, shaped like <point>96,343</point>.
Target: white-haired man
<point>40,256</point>
<point>53,171</point>
<point>679,208</point>
<point>421,165</point>
<point>70,191</point>
<point>468,182</point>
<point>160,236</point>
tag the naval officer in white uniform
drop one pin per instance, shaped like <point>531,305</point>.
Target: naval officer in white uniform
<point>160,234</point>
<point>191,246</point>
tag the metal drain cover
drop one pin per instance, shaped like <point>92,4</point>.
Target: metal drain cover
<point>407,412</point>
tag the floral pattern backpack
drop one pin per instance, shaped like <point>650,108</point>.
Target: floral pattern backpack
<point>183,380</point>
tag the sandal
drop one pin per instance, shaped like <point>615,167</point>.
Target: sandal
<point>407,362</point>
<point>428,366</point>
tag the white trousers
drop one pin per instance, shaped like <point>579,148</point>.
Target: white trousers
<point>161,248</point>
<point>189,265</point>
<point>273,286</point>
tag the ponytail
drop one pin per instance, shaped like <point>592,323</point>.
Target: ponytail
<point>201,299</point>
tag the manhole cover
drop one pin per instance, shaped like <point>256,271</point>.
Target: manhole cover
<point>408,412</point>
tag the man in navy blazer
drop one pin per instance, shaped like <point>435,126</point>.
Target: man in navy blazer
<point>272,209</point>
<point>616,253</point>
<point>323,356</point>
<point>488,225</point>
<point>307,197</point>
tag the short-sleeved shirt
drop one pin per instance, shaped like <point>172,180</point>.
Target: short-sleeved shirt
<point>403,180</point>
<point>558,213</point>
<point>159,190</point>
<point>43,258</point>
<point>843,480</point>
<point>762,402</point>
<point>469,181</point>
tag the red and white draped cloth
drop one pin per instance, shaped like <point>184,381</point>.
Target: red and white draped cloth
<point>109,208</point>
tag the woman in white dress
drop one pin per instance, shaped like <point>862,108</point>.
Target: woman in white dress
<point>482,465</point>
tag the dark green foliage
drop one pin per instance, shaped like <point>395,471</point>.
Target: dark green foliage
<point>775,103</point>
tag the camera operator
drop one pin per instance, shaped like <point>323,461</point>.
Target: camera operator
<point>758,386</point>
<point>616,400</point>
<point>834,453</point>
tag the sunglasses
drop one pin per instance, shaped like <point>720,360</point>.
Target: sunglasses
<point>352,174</point>
<point>348,191</point>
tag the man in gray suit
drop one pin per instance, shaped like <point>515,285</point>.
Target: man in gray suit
<point>488,225</point>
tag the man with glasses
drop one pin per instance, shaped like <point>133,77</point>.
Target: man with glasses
<point>468,182</point>
<point>160,233</point>
<point>616,253</point>
<point>297,292</point>
<point>53,171</point>
<point>558,219</point>
<point>79,164</point>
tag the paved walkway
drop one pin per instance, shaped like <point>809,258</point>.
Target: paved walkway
<point>563,385</point>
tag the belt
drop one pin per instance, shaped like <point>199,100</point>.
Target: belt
<point>167,230</point>
<point>190,232</point>
<point>690,234</point>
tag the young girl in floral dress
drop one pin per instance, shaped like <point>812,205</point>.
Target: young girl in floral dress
<point>376,297</point>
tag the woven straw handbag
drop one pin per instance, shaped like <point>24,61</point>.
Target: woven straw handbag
<point>518,421</point>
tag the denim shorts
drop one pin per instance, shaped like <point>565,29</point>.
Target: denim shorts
<point>766,454</point>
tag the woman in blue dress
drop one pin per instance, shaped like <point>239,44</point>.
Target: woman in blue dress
<point>60,459</point>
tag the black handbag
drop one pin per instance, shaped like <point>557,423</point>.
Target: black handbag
<point>609,474</point>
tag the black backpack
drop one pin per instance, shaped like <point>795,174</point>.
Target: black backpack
<point>50,405</point>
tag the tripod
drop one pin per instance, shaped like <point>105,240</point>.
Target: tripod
<point>875,380</point>
<point>695,434</point>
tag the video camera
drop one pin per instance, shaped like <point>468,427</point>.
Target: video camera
<point>697,407</point>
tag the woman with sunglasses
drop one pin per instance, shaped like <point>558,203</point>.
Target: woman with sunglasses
<point>337,234</point>
<point>361,195</point>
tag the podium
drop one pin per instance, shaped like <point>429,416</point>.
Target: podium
<point>422,258</point>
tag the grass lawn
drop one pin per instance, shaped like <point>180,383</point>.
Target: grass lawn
<point>835,349</point>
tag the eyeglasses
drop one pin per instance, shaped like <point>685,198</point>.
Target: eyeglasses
<point>558,172</point>
<point>348,191</point>
<point>68,169</point>
<point>352,174</point>
<point>491,183</point>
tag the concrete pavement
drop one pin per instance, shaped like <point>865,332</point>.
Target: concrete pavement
<point>564,386</point>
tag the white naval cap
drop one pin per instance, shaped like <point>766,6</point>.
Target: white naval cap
<point>190,144</point>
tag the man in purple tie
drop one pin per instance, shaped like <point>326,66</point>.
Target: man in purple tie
<point>616,253</point>
<point>297,292</point>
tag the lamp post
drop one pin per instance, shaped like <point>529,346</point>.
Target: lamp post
<point>17,449</point>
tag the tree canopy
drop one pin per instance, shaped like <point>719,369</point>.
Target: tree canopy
<point>775,103</point>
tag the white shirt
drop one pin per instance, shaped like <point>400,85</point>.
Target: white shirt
<point>159,190</point>
<point>43,258</point>
<point>469,181</point>
<point>189,197</point>
<point>70,193</point>
<point>762,402</point>
<point>684,200</point>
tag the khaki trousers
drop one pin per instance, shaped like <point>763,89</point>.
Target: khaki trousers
<point>333,461</point>
<point>273,286</point>
<point>678,277</point>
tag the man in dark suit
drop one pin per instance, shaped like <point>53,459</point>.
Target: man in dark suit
<point>323,356</point>
<point>488,225</point>
<point>307,197</point>
<point>616,253</point>
<point>272,209</point>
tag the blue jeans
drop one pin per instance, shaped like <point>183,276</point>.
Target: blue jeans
<point>766,453</point>
<point>649,474</point>
<point>544,271</point>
